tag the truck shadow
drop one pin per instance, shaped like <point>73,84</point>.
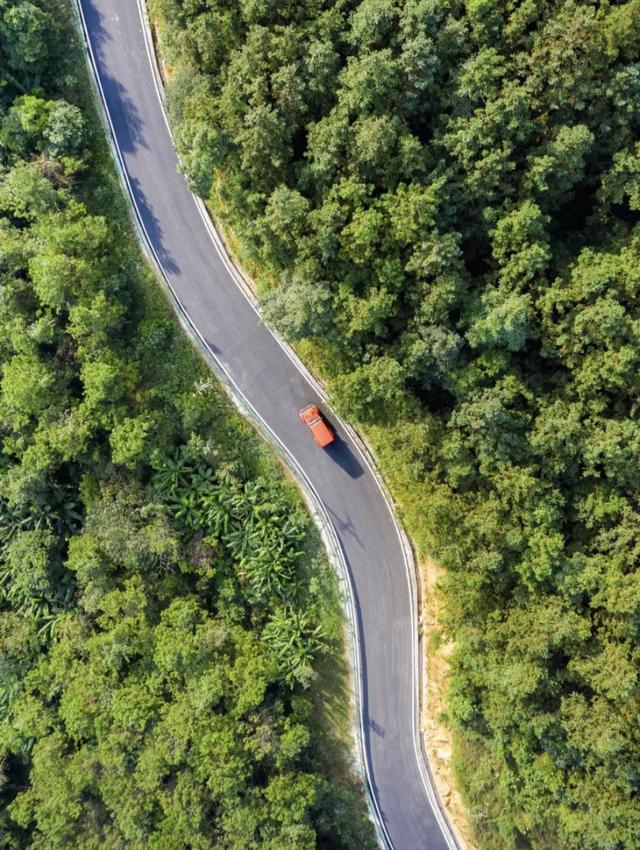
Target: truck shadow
<point>340,453</point>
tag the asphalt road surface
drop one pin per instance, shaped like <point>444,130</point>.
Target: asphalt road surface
<point>263,372</point>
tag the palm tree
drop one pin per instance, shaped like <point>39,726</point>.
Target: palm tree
<point>294,641</point>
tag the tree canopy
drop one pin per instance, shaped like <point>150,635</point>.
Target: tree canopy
<point>166,617</point>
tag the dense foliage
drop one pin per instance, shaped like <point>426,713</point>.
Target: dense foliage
<point>440,200</point>
<point>162,612</point>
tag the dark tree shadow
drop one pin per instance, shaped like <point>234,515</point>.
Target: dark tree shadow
<point>344,526</point>
<point>153,228</point>
<point>131,127</point>
<point>130,132</point>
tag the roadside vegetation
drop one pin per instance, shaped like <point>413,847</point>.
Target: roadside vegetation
<point>171,638</point>
<point>439,202</point>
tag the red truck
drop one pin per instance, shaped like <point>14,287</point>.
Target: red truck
<point>312,418</point>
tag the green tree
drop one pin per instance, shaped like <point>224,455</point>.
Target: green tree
<point>299,309</point>
<point>27,33</point>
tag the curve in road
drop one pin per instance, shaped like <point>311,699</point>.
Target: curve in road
<point>267,378</point>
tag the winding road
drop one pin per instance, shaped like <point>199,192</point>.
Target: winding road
<point>265,377</point>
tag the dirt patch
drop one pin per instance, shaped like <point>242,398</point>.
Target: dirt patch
<point>166,71</point>
<point>436,734</point>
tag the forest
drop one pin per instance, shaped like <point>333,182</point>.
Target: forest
<point>439,202</point>
<point>166,622</point>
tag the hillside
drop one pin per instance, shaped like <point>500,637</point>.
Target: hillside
<point>439,202</point>
<point>167,619</point>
